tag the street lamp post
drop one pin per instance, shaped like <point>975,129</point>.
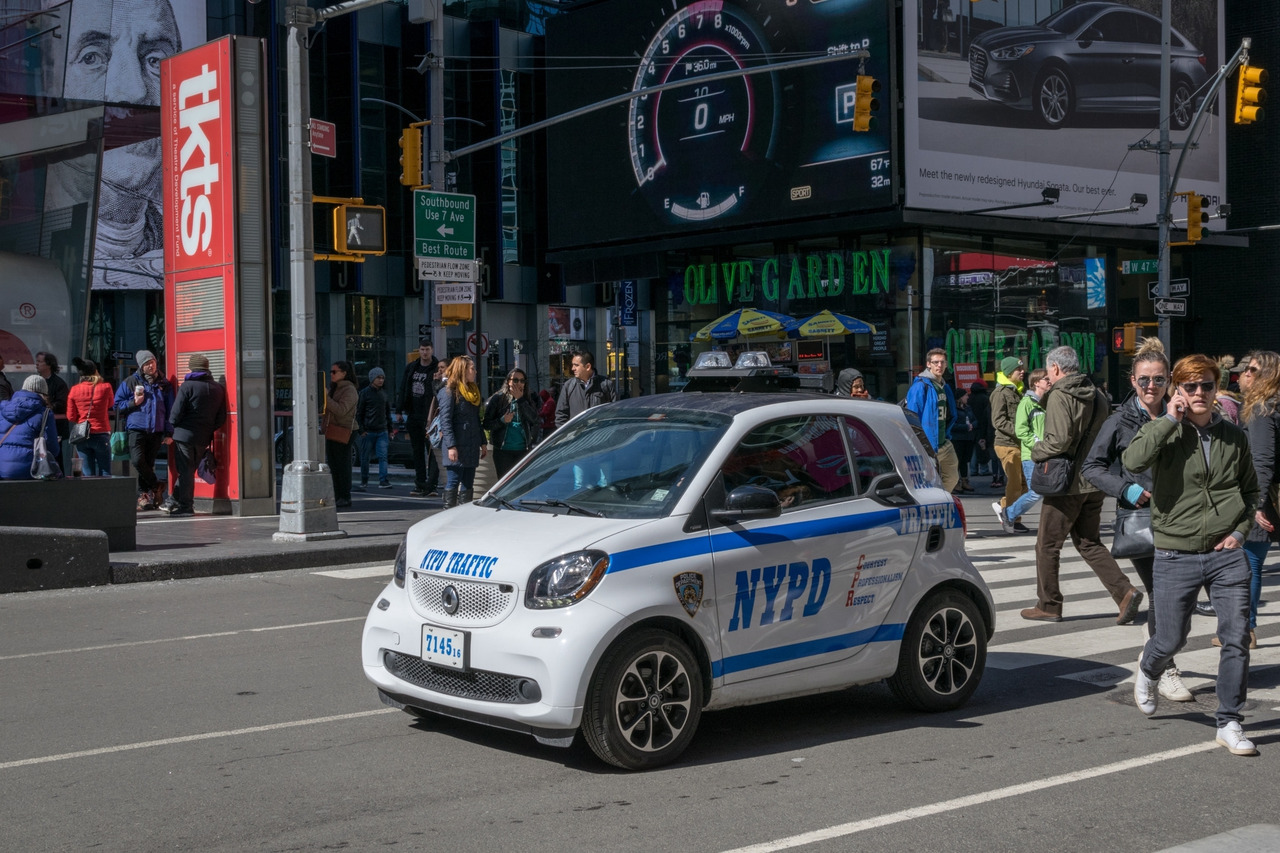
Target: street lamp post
<point>307,510</point>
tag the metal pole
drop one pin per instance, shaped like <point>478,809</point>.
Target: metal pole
<point>1162,251</point>
<point>435,158</point>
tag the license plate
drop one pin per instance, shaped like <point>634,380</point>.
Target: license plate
<point>445,647</point>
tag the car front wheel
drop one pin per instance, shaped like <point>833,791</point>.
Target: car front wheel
<point>644,702</point>
<point>1183,108</point>
<point>943,653</point>
<point>1053,99</point>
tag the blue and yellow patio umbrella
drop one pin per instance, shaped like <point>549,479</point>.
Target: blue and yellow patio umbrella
<point>747,322</point>
<point>827,324</point>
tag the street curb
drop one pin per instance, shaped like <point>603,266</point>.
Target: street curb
<point>285,557</point>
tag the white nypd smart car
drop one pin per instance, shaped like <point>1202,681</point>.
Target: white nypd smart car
<point>664,556</point>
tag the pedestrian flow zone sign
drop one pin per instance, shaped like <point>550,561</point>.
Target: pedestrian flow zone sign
<point>444,232</point>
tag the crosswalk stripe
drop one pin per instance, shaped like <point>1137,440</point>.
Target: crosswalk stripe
<point>361,572</point>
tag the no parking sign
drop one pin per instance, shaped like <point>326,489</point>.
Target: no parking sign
<point>477,343</point>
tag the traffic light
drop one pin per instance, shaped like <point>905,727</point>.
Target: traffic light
<point>1117,339</point>
<point>1250,96</point>
<point>865,103</point>
<point>1196,217</point>
<point>411,157</point>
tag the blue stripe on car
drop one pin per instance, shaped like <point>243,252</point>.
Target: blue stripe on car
<point>809,648</point>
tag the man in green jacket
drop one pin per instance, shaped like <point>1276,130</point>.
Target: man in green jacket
<point>1004,415</point>
<point>1074,411</point>
<point>1202,506</point>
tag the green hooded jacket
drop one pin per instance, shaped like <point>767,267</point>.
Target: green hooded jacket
<point>1004,411</point>
<point>1068,426</point>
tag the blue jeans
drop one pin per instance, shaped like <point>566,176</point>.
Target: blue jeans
<point>457,477</point>
<point>1028,498</point>
<point>374,444</point>
<point>1257,554</point>
<point>95,455</point>
<point>1178,578</point>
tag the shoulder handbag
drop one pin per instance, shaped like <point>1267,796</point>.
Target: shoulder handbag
<point>434,434</point>
<point>119,439</point>
<point>333,432</point>
<point>1055,475</point>
<point>1133,537</point>
<point>207,470</point>
<point>43,465</point>
<point>79,432</point>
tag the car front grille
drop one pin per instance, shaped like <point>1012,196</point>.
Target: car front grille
<point>977,63</point>
<point>476,684</point>
<point>479,603</point>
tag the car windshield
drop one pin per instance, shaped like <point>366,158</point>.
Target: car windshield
<point>1070,19</point>
<point>614,464</point>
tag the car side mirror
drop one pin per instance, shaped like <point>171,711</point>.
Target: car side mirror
<point>889,489</point>
<point>748,502</point>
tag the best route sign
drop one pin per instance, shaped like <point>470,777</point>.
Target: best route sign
<point>444,226</point>
<point>1171,307</point>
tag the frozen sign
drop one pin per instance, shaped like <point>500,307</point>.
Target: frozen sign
<point>197,144</point>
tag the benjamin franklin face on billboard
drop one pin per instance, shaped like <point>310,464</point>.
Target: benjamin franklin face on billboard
<point>113,54</point>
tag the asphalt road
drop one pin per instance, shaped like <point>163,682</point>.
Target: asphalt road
<point>231,714</point>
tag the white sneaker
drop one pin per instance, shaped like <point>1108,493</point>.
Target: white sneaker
<point>1145,695</point>
<point>1005,524</point>
<point>1232,737</point>
<point>1171,686</point>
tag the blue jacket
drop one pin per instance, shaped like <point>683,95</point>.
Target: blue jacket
<point>153,414</point>
<point>23,412</point>
<point>922,398</point>
<point>460,428</point>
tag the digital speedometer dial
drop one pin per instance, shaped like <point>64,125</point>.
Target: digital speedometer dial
<point>699,151</point>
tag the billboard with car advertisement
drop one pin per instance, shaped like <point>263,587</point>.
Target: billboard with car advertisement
<point>1002,102</point>
<point>771,146</point>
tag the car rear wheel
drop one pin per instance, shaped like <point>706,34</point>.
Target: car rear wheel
<point>1182,108</point>
<point>644,702</point>
<point>943,653</point>
<point>1053,99</point>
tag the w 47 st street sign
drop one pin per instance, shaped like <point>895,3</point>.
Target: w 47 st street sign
<point>444,235</point>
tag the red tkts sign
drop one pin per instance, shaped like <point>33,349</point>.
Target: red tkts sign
<point>197,140</point>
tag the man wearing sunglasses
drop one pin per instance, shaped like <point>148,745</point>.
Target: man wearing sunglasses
<point>1202,508</point>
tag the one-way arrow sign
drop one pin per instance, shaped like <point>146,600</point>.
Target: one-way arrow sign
<point>1177,287</point>
<point>1171,307</point>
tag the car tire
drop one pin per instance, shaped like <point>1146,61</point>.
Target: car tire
<point>1181,108</point>
<point>644,701</point>
<point>1054,99</point>
<point>943,653</point>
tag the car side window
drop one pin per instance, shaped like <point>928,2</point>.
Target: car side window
<point>870,459</point>
<point>802,459</point>
<point>1116,26</point>
<point>1147,31</point>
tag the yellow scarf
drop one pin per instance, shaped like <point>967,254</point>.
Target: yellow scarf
<point>471,393</point>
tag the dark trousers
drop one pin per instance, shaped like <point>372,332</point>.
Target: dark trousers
<point>505,460</point>
<point>1079,517</point>
<point>144,447</point>
<point>337,454</point>
<point>184,485</point>
<point>964,452</point>
<point>426,471</point>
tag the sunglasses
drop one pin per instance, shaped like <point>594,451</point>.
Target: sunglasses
<point>1158,381</point>
<point>1251,369</point>
<point>1203,387</point>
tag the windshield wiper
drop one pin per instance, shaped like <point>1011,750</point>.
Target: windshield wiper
<point>564,505</point>
<point>506,504</point>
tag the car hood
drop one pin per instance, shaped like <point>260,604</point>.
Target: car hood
<point>499,545</point>
<point>1006,36</point>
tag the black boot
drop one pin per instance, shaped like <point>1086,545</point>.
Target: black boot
<point>451,497</point>
<point>464,496</point>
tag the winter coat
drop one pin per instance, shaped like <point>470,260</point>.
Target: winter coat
<point>547,412</point>
<point>496,409</point>
<point>980,402</point>
<point>1103,467</point>
<point>922,398</point>
<point>460,428</point>
<point>1069,428</point>
<point>373,409</point>
<point>92,400</point>
<point>1264,442</point>
<point>340,405</point>
<point>20,418</point>
<point>1004,411</point>
<point>153,414</point>
<point>417,390</point>
<point>1029,423</point>
<point>1195,505</point>
<point>575,399</point>
<point>199,409</point>
<point>965,427</point>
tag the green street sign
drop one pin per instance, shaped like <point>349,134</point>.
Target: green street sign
<point>1144,265</point>
<point>444,225</point>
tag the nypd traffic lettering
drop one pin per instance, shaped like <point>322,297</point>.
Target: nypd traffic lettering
<point>916,519</point>
<point>458,563</point>
<point>799,576</point>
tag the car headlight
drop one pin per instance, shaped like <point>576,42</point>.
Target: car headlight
<point>1017,51</point>
<point>401,559</point>
<point>565,580</point>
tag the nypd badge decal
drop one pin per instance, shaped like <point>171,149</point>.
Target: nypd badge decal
<point>689,591</point>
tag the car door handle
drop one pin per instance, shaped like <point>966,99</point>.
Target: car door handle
<point>1129,60</point>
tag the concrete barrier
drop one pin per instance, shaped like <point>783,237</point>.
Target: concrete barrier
<point>33,558</point>
<point>109,504</point>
